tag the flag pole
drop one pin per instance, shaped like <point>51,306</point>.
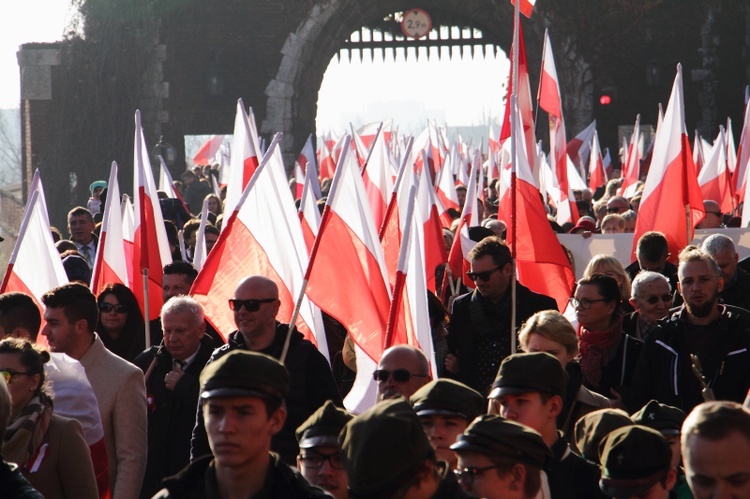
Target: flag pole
<point>514,160</point>
<point>372,145</point>
<point>146,313</point>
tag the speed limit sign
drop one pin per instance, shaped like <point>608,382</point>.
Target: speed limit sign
<point>416,23</point>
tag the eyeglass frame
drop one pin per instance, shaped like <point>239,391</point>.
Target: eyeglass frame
<point>376,374</point>
<point>485,275</point>
<point>323,458</point>
<point>236,305</point>
<point>575,302</point>
<point>117,308</point>
<point>9,375</point>
<point>469,474</point>
<point>653,299</point>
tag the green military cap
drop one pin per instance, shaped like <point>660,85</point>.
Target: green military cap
<point>530,372</point>
<point>383,447</point>
<point>663,418</point>
<point>245,374</point>
<point>322,428</point>
<point>448,398</point>
<point>591,429</point>
<point>633,459</point>
<point>495,436</point>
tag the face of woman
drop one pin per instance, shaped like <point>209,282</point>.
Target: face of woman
<point>213,206</point>
<point>540,343</point>
<point>112,320</point>
<point>592,312</point>
<point>21,385</point>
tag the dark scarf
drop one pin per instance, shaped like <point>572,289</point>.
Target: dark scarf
<point>595,346</point>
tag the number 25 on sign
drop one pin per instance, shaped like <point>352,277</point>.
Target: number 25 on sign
<point>416,23</point>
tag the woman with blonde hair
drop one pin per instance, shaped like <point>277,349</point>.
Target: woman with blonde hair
<point>611,267</point>
<point>549,331</point>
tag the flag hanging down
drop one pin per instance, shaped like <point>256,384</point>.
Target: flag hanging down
<point>671,202</point>
<point>526,7</point>
<point>110,263</point>
<point>597,174</point>
<point>377,178</point>
<point>434,255</point>
<point>263,237</point>
<point>150,245</point>
<point>458,258</point>
<point>307,160</point>
<point>309,214</point>
<point>200,239</point>
<point>208,150</point>
<point>715,179</point>
<point>631,172</point>
<point>743,156</point>
<point>579,146</point>
<point>244,159</point>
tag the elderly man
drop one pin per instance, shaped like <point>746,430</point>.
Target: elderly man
<point>71,315</point>
<point>81,230</point>
<point>736,281</point>
<point>402,370</point>
<point>702,328</point>
<point>651,297</point>
<point>172,373</point>
<point>255,305</point>
<point>617,205</point>
<point>714,217</point>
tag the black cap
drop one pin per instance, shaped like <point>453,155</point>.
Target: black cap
<point>591,429</point>
<point>245,374</point>
<point>633,459</point>
<point>448,398</point>
<point>322,428</point>
<point>383,447</point>
<point>663,418</point>
<point>530,372</point>
<point>495,436</point>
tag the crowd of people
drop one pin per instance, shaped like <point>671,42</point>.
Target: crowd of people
<point>635,390</point>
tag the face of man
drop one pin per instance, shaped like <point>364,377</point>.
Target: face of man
<point>488,484</point>
<point>656,292</point>
<point>494,287</point>
<point>655,266</point>
<point>714,216</point>
<point>630,226</point>
<point>61,334</point>
<point>674,444</point>
<point>239,430</point>
<point>461,194</point>
<point>612,227</point>
<point>328,477</point>
<point>617,205</point>
<point>718,468</point>
<point>80,228</point>
<point>528,409</point>
<point>182,334</point>
<point>727,260</point>
<point>210,241</point>
<point>442,432</point>
<point>699,287</point>
<point>174,285</point>
<point>258,322</point>
<point>400,359</point>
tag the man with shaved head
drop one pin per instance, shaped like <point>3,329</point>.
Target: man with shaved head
<point>255,305</point>
<point>402,370</point>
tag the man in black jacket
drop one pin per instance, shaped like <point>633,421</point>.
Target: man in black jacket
<point>480,330</point>
<point>255,305</point>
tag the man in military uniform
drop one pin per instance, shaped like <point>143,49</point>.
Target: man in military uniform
<point>592,429</point>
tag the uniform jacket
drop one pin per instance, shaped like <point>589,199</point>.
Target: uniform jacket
<point>571,476</point>
<point>14,485</point>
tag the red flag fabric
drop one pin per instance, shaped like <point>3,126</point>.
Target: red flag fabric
<point>207,151</point>
<point>309,215</point>
<point>110,262</point>
<point>597,175</point>
<point>526,7</point>
<point>671,202</point>
<point>632,166</point>
<point>579,146</point>
<point>743,156</point>
<point>244,158</point>
<point>377,178</point>
<point>458,258</point>
<point>307,159</point>
<point>715,179</point>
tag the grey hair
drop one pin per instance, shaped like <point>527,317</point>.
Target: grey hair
<point>183,304</point>
<point>629,215</point>
<point>716,243</point>
<point>644,277</point>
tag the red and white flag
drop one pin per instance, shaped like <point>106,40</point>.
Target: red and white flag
<point>110,263</point>
<point>446,193</point>
<point>150,245</point>
<point>579,146</point>
<point>327,163</point>
<point>309,214</point>
<point>208,150</point>
<point>458,259</point>
<point>715,180</point>
<point>434,254</point>
<point>526,7</point>
<point>368,132</point>
<point>305,161</point>
<point>731,147</point>
<point>698,158</point>
<point>597,175</point>
<point>632,167</point>
<point>128,233</point>
<point>377,179</point>
<point>671,202</point>
<point>199,258</point>
<point>244,158</point>
<point>743,156</point>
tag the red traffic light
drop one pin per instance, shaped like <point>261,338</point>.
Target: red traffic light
<point>605,99</point>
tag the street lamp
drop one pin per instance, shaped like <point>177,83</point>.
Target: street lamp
<point>166,151</point>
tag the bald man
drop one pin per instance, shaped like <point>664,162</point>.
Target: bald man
<point>255,305</point>
<point>714,217</point>
<point>402,370</point>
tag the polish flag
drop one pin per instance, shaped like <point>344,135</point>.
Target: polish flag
<point>446,193</point>
<point>359,149</point>
<point>743,156</point>
<point>458,259</point>
<point>435,254</point>
<point>526,7</point>
<point>263,237</point>
<point>541,263</point>
<point>579,146</point>
<point>327,163</point>
<point>731,147</point>
<point>698,158</point>
<point>368,132</point>
<point>166,184</point>
<point>607,162</point>
<point>671,203</point>
<point>201,253</point>
<point>309,214</point>
<point>299,181</point>
<point>307,159</point>
<point>128,234</point>
<point>597,175</point>
<point>632,166</point>
<point>347,278</point>
<point>551,101</point>
<point>244,158</point>
<point>715,180</point>
<point>206,152</point>
<point>110,262</point>
<point>376,176</point>
<point>150,245</point>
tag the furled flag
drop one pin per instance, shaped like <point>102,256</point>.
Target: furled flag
<point>671,202</point>
<point>305,161</point>
<point>731,147</point>
<point>244,158</point>
<point>207,151</point>
<point>201,253</point>
<point>715,180</point>
<point>579,146</point>
<point>743,156</point>
<point>597,175</point>
<point>458,259</point>
<point>309,214</point>
<point>632,165</point>
<point>110,264</point>
<point>446,192</point>
<point>150,245</point>
<point>128,233</point>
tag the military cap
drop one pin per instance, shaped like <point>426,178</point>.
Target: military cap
<point>245,374</point>
<point>495,436</point>
<point>633,459</point>
<point>383,447</point>
<point>322,428</point>
<point>530,372</point>
<point>591,429</point>
<point>448,398</point>
<point>663,418</point>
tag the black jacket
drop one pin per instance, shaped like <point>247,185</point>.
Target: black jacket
<point>571,476</point>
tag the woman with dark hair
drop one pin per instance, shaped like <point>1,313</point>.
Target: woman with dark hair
<point>608,356</point>
<point>50,450</point>
<point>120,326</point>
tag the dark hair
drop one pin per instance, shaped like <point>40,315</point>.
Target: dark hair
<point>605,285</point>
<point>79,211</point>
<point>493,246</point>
<point>19,310</point>
<point>181,267</point>
<point>76,300</point>
<point>505,465</point>
<point>715,420</point>
<point>212,229</point>
<point>652,246</point>
<point>435,309</point>
<point>32,357</point>
<point>134,323</point>
<point>172,233</point>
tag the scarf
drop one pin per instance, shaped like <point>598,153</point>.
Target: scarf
<point>25,433</point>
<point>595,346</point>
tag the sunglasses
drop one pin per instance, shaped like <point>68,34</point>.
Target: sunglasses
<point>399,375</point>
<point>108,307</point>
<point>8,375</point>
<point>616,210</point>
<point>250,305</point>
<point>467,475</point>
<point>652,300</point>
<point>316,460</point>
<point>482,276</point>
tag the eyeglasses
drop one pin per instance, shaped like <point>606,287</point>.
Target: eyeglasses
<point>467,475</point>
<point>250,305</point>
<point>399,375</point>
<point>617,210</point>
<point>316,460</point>
<point>584,303</point>
<point>9,375</point>
<point>108,307</point>
<point>482,276</point>
<point>652,300</point>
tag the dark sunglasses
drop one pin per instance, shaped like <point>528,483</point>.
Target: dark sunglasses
<point>467,475</point>
<point>482,276</point>
<point>399,375</point>
<point>315,460</point>
<point>108,307</point>
<point>250,305</point>
<point>615,210</point>
<point>652,300</point>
